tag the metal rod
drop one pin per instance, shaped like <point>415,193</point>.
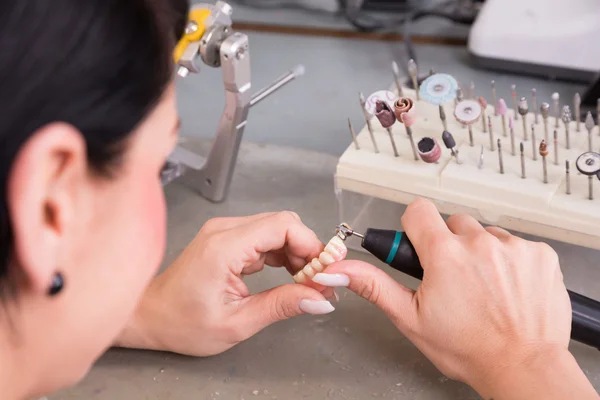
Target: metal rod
<point>591,187</point>
<point>353,135</point>
<point>389,131</point>
<point>534,104</point>
<point>533,142</point>
<point>362,100</point>
<point>503,125</point>
<point>412,142</point>
<point>443,117</point>
<point>577,109</point>
<point>471,142</point>
<point>555,147</point>
<point>522,148</point>
<point>512,138</point>
<point>491,133</point>
<point>275,86</point>
<point>544,110</point>
<point>494,98</point>
<point>396,72</point>
<point>544,153</point>
<point>568,176</point>
<point>500,161</point>
<point>555,99</point>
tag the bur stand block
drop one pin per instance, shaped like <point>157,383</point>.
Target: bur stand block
<point>373,188</point>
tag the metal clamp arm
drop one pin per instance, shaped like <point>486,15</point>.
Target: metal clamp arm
<point>211,176</point>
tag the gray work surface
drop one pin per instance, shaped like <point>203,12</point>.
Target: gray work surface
<point>355,352</point>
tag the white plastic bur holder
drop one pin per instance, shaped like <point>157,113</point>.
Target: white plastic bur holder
<point>373,189</point>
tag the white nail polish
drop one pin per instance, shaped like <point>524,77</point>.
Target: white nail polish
<point>316,306</point>
<point>333,280</point>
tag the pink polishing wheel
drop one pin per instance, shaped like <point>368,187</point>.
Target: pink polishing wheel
<point>429,150</point>
<point>409,118</point>
<point>501,108</point>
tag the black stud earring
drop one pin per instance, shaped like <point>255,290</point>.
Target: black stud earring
<point>57,285</point>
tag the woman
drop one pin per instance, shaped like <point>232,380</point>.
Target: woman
<point>88,119</point>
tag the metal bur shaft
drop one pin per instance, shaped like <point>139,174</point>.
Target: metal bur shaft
<point>568,176</point>
<point>512,137</point>
<point>413,72</point>
<point>494,98</point>
<point>589,125</point>
<point>534,104</point>
<point>353,135</point>
<point>555,99</point>
<point>545,111</point>
<point>522,148</point>
<point>483,104</point>
<point>591,187</point>
<point>450,143</point>
<point>491,133</point>
<point>363,102</point>
<point>555,147</point>
<point>566,118</point>
<point>500,161</point>
<point>513,92</point>
<point>544,153</point>
<point>443,117</point>
<point>412,142</point>
<point>577,108</point>
<point>523,109</point>
<point>396,72</point>
<point>533,142</point>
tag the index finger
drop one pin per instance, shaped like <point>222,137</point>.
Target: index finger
<point>274,232</point>
<point>424,226</point>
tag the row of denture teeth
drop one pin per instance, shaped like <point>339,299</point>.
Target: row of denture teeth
<point>334,251</point>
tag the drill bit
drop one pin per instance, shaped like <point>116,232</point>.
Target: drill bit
<point>472,90</point>
<point>512,137</point>
<point>502,109</point>
<point>533,142</point>
<point>544,153</point>
<point>589,125</point>
<point>566,118</point>
<point>396,72</point>
<point>568,176</point>
<point>480,164</point>
<point>386,118</point>
<point>353,135</point>
<point>413,72</point>
<point>591,187</point>
<point>443,116</point>
<point>522,148</point>
<point>449,142</point>
<point>500,162</point>
<point>494,98</point>
<point>545,111</point>
<point>555,147</point>
<point>412,142</point>
<point>513,92</point>
<point>363,102</point>
<point>555,99</point>
<point>491,133</point>
<point>483,104</point>
<point>534,104</point>
<point>523,109</point>
<point>577,108</point>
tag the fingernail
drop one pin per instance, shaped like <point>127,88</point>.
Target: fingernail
<point>331,279</point>
<point>316,306</point>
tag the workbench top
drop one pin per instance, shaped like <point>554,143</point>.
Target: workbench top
<point>353,353</point>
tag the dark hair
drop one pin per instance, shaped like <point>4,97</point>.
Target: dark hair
<point>99,65</point>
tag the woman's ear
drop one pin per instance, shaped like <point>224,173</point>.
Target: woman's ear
<point>45,183</point>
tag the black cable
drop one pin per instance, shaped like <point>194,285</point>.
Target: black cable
<point>415,16</point>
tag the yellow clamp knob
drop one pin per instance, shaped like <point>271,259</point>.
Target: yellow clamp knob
<point>197,16</point>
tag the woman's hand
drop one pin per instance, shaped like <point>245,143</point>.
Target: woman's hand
<point>200,305</point>
<point>492,310</point>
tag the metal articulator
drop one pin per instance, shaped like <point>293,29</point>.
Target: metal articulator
<point>210,38</point>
